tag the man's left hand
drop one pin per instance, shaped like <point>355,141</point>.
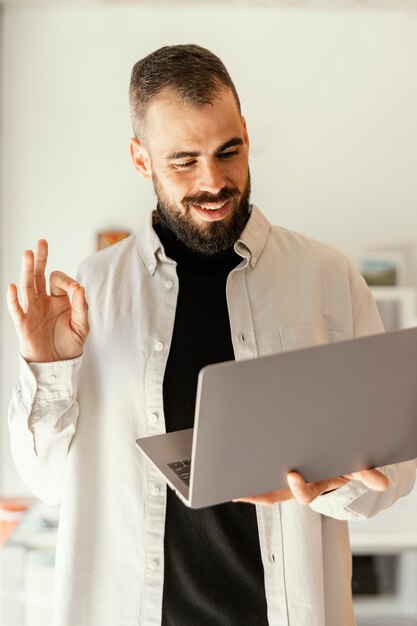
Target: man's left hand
<point>305,493</point>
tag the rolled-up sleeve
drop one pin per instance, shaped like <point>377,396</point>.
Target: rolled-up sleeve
<point>43,415</point>
<point>355,501</point>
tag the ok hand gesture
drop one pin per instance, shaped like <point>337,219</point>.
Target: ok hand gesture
<point>49,327</point>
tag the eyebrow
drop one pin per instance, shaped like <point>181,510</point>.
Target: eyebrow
<point>236,141</point>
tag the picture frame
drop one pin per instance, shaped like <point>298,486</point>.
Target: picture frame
<point>382,269</point>
<point>106,238</point>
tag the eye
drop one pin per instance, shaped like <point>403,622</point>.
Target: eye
<point>182,166</point>
<point>227,155</point>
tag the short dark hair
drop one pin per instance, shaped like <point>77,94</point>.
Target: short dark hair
<point>196,74</point>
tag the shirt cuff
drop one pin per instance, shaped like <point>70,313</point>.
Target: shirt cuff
<point>56,380</point>
<point>355,501</point>
<point>338,503</point>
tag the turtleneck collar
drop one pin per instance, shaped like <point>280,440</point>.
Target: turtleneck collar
<point>176,249</point>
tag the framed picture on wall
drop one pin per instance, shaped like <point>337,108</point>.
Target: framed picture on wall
<point>382,269</point>
<point>107,238</point>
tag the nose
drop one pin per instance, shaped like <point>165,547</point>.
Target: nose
<point>211,178</point>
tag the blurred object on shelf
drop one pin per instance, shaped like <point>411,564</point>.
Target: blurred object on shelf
<point>27,562</point>
<point>374,574</point>
<point>11,513</point>
<point>397,306</point>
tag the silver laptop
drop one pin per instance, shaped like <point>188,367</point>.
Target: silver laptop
<point>324,411</point>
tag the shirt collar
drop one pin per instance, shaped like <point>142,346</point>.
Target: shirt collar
<point>254,236</point>
<point>249,245</point>
<point>148,244</point>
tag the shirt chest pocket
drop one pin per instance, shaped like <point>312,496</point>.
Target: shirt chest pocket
<point>295,337</point>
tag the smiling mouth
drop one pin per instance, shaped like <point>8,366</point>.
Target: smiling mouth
<point>211,211</point>
<point>211,206</point>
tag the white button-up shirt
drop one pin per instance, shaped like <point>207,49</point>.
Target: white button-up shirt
<point>73,426</point>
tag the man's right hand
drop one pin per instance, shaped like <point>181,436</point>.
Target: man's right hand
<point>49,327</point>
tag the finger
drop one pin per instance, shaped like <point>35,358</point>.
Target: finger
<point>372,478</point>
<point>41,256</point>
<point>305,493</point>
<point>26,279</point>
<point>272,497</point>
<point>13,305</point>
<point>61,284</point>
<point>79,312</point>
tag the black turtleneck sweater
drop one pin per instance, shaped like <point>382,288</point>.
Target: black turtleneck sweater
<point>213,569</point>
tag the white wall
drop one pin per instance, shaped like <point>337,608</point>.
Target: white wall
<point>330,100</point>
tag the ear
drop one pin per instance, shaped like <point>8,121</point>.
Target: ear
<point>245,131</point>
<point>140,158</point>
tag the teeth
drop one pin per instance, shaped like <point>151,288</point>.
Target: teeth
<point>212,207</point>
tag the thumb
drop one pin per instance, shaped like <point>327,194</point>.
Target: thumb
<point>372,478</point>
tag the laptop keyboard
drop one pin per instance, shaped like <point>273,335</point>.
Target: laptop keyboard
<point>182,470</point>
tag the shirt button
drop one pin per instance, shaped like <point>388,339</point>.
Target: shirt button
<point>52,379</point>
<point>153,565</point>
<point>156,490</point>
<point>152,418</point>
<point>159,346</point>
<point>168,284</point>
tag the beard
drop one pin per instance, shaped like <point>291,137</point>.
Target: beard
<point>210,237</point>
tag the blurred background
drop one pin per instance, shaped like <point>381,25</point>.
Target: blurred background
<point>329,92</point>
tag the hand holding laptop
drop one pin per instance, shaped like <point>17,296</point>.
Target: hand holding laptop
<point>324,411</point>
<point>305,493</point>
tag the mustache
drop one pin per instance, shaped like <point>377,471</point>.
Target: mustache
<point>224,194</point>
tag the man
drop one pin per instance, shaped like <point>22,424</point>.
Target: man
<point>206,279</point>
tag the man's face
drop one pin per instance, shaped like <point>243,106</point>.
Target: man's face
<point>198,161</point>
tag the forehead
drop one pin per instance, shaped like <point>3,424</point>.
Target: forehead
<point>173,124</point>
